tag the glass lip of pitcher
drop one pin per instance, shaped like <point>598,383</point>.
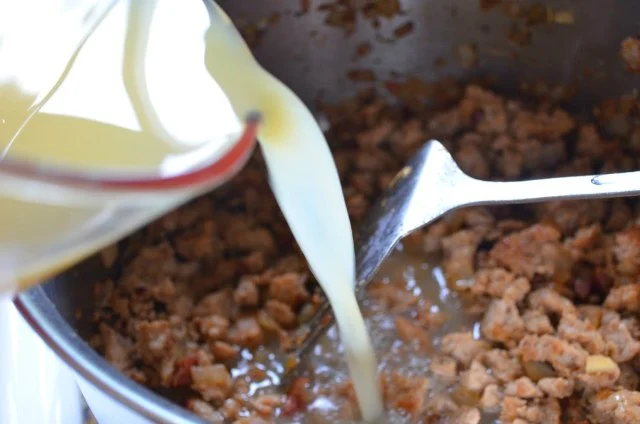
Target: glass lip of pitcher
<point>211,174</point>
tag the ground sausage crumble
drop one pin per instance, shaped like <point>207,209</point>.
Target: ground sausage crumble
<point>210,296</point>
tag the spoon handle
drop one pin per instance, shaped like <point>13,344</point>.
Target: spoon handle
<point>477,192</point>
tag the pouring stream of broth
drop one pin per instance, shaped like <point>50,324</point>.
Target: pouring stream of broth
<point>305,181</point>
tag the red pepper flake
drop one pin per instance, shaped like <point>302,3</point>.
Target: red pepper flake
<point>582,288</point>
<point>297,398</point>
<point>274,18</point>
<point>486,5</point>
<point>305,6</point>
<point>361,75</point>
<point>537,14</point>
<point>291,406</point>
<point>182,375</point>
<point>325,320</point>
<point>403,30</point>
<point>519,35</point>
<point>340,15</point>
<point>440,62</point>
<point>393,87</point>
<point>363,49</point>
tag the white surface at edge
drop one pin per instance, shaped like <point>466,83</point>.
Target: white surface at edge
<point>35,385</point>
<point>105,409</point>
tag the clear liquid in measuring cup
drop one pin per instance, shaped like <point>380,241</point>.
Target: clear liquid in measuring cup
<point>110,86</point>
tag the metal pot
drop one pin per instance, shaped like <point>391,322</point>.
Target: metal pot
<point>314,60</point>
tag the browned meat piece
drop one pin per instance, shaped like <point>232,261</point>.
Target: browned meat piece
<point>510,162</point>
<point>444,368</point>
<point>375,135</point>
<point>281,312</point>
<point>466,416</point>
<point>591,313</point>
<point>445,124</point>
<point>536,322</point>
<point>523,388</point>
<point>230,409</point>
<point>391,297</point>
<point>246,294</point>
<point>619,216</point>
<point>565,358</point>
<point>217,303</point>
<point>155,341</point>
<point>573,329</point>
<point>255,261</point>
<point>502,323</point>
<point>616,407</point>
<point>477,377</point>
<point>504,367</point>
<point>542,125</point>
<point>441,405</point>
<point>412,333</point>
<point>213,382</point>
<point>214,327</point>
<point>239,236</point>
<point>372,160</point>
<point>433,237</point>
<point>491,398</point>
<point>410,135</point>
<point>585,238</point>
<point>521,411</point>
<point>498,282</point>
<point>478,217</point>
<point>471,160</point>
<point>163,258</point>
<point>537,154</point>
<point>589,142</point>
<point>405,393</point>
<point>558,388</point>
<point>266,404</point>
<point>357,205</point>
<point>627,251</point>
<point>459,253</point>
<point>205,411</point>
<point>117,348</point>
<point>485,108</point>
<point>246,332</point>
<point>164,291</point>
<point>549,301</point>
<point>629,378</point>
<point>429,316</point>
<point>462,347</point>
<point>621,345</point>
<point>289,288</point>
<point>224,351</point>
<point>571,216</point>
<point>251,419</point>
<point>534,251</point>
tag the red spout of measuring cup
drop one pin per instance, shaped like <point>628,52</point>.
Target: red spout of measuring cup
<point>210,174</point>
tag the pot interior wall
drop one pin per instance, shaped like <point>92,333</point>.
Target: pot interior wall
<point>314,58</point>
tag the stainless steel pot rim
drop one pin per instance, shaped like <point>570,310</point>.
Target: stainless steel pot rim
<point>42,315</point>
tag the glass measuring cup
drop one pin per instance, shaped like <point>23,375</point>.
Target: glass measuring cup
<point>108,119</point>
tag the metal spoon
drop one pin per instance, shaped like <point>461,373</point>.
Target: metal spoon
<point>432,184</point>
